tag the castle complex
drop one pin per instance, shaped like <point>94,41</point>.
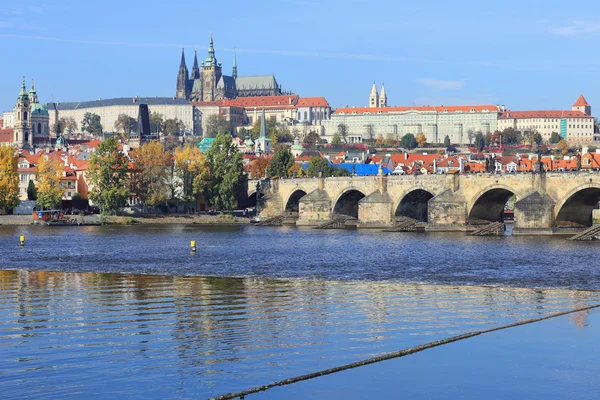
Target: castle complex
<point>207,82</point>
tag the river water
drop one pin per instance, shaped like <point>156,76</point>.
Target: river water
<point>107,312</point>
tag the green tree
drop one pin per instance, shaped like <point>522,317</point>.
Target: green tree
<point>408,141</point>
<point>107,176</point>
<point>312,138</point>
<point>173,127</point>
<point>336,139</point>
<point>9,178</point>
<point>217,124</point>
<point>487,139</point>
<point>125,124</point>
<point>31,191</point>
<point>447,142</point>
<point>225,175</point>
<point>317,164</point>
<point>555,138</point>
<point>281,162</point>
<point>479,141</point>
<point>91,124</point>
<point>49,188</point>
<point>512,136</point>
<point>343,132</point>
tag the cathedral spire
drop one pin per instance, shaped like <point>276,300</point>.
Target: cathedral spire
<point>195,68</point>
<point>182,64</point>
<point>234,72</point>
<point>33,93</point>
<point>23,93</point>
<point>382,97</point>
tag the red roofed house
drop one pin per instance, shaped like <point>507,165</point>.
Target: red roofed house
<point>575,125</point>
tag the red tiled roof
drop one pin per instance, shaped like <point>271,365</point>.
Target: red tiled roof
<point>6,135</point>
<point>269,101</point>
<point>439,109</point>
<point>312,102</point>
<point>543,114</point>
<point>581,102</point>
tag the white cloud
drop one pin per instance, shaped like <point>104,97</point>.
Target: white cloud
<point>576,28</point>
<point>437,84</point>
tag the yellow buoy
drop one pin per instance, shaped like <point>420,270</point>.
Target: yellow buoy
<point>22,239</point>
<point>193,245</point>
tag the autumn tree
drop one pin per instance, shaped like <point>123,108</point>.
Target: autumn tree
<point>257,169</point>
<point>296,171</point>
<point>216,124</point>
<point>92,124</point>
<point>150,180</point>
<point>563,147</point>
<point>49,188</point>
<point>225,177</point>
<point>9,178</point>
<point>421,140</point>
<point>125,124</point>
<point>282,161</point>
<point>107,176</point>
<point>189,164</point>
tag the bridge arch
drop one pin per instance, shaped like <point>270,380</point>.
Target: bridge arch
<point>347,203</point>
<point>292,203</point>
<point>414,203</point>
<point>489,203</point>
<point>575,209</point>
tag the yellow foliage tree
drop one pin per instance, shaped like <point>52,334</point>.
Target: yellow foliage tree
<point>563,147</point>
<point>9,179</point>
<point>189,163</point>
<point>49,189</point>
<point>421,140</point>
<point>150,180</point>
<point>258,168</point>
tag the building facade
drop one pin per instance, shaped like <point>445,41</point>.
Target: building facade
<point>110,109</point>
<point>206,83</point>
<point>435,122</point>
<point>575,125</point>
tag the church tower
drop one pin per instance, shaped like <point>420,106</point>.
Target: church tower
<point>210,73</point>
<point>382,97</point>
<point>22,132</point>
<point>374,97</point>
<point>182,90</point>
<point>582,105</point>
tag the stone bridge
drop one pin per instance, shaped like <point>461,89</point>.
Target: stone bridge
<point>550,203</point>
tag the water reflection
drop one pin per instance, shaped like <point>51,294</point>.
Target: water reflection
<point>210,335</point>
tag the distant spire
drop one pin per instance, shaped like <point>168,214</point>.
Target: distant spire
<point>374,96</point>
<point>195,68</point>
<point>182,64</point>
<point>263,123</point>
<point>23,93</point>
<point>234,73</point>
<point>382,97</point>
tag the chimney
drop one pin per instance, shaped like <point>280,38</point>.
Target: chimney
<point>405,156</point>
<point>435,166</point>
<point>461,162</point>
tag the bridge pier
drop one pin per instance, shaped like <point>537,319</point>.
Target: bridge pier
<point>447,212</point>
<point>375,211</point>
<point>315,208</point>
<point>534,215</point>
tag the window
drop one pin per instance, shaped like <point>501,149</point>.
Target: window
<point>39,128</point>
<point>305,115</point>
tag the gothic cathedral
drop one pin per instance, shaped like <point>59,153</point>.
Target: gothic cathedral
<point>207,82</point>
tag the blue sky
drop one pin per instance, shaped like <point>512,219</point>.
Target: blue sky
<point>524,54</point>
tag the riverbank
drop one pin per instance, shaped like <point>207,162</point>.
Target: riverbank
<point>223,219</point>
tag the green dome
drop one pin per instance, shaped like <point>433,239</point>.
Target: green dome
<point>38,109</point>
